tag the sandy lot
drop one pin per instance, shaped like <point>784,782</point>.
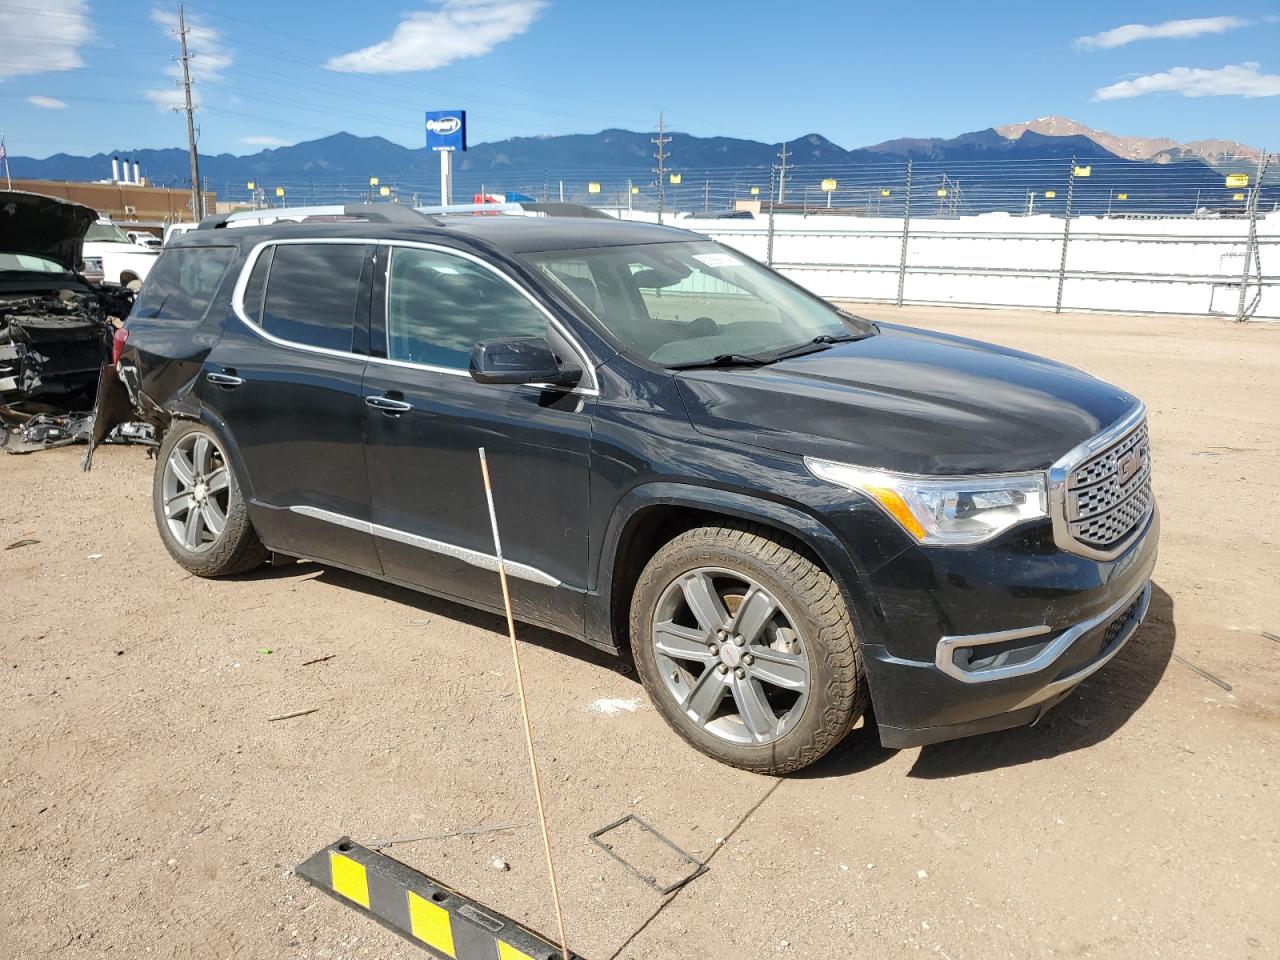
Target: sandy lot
<point>149,808</point>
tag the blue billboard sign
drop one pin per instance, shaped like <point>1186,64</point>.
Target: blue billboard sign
<point>447,129</point>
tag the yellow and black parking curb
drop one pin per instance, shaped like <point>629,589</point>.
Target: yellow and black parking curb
<point>420,909</point>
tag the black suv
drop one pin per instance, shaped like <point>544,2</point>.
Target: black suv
<point>788,513</point>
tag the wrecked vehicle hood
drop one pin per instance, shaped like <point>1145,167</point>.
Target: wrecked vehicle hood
<point>37,226</point>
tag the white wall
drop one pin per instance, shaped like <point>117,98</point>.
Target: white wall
<point>998,260</point>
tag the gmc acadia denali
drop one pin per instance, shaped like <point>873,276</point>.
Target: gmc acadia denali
<point>788,513</point>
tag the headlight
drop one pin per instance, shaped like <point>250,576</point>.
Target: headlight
<point>944,510</point>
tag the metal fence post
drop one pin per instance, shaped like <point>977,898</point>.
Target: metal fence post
<point>906,229</point>
<point>1066,237</point>
<point>773,176</point>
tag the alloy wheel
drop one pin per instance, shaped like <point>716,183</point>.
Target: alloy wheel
<point>730,656</point>
<point>196,488</point>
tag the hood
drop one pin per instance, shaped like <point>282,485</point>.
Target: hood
<point>40,226</point>
<point>911,401</point>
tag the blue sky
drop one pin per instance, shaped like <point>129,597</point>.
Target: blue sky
<point>83,76</point>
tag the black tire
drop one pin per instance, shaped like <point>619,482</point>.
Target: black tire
<point>837,690</point>
<point>236,548</point>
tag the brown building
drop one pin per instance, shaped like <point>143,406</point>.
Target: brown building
<point>125,203</point>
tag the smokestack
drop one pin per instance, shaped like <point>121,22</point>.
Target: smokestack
<point>136,173</point>
<point>115,169</point>
<point>124,170</point>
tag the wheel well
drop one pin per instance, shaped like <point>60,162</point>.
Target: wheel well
<point>650,529</point>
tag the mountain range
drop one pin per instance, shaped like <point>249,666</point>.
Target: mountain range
<point>343,155</point>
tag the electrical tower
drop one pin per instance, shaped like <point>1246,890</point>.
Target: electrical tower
<point>661,169</point>
<point>197,198</point>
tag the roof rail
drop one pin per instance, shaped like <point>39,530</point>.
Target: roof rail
<point>554,208</point>
<point>517,208</point>
<point>373,212</point>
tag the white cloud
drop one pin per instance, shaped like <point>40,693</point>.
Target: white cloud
<point>38,39</point>
<point>46,103</point>
<point>1240,80</point>
<point>451,30</point>
<point>1169,30</point>
<point>264,140</point>
<point>210,59</point>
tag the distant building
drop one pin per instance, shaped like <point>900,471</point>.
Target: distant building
<point>124,202</point>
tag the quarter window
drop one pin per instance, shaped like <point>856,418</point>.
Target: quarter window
<point>312,293</point>
<point>183,282</point>
<point>439,305</point>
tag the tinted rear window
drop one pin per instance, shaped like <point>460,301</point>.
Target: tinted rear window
<point>312,292</point>
<point>183,282</point>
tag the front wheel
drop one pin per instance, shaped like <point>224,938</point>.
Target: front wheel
<point>199,509</point>
<point>745,646</point>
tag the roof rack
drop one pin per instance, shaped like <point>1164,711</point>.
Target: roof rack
<point>372,212</point>
<point>523,208</point>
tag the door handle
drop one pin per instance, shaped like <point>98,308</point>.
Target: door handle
<point>224,379</point>
<point>388,405</point>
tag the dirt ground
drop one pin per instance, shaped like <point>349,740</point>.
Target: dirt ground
<point>150,809</point>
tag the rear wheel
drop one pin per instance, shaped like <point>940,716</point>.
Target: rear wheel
<point>199,508</point>
<point>745,646</point>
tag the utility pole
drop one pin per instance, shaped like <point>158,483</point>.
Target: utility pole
<point>1251,242</point>
<point>782,174</point>
<point>197,198</point>
<point>4,155</point>
<point>906,231</point>
<point>1066,236</point>
<point>773,173</point>
<point>661,169</point>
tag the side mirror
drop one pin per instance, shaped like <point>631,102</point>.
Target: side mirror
<point>521,360</point>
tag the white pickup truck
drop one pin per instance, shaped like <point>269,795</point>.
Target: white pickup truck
<point>110,253</point>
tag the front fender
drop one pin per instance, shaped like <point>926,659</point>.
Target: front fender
<point>844,566</point>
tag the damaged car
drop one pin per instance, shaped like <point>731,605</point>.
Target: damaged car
<point>56,325</point>
<point>790,515</point>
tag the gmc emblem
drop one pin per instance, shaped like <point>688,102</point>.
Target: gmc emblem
<point>1128,465</point>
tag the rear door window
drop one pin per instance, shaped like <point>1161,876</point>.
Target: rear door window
<point>313,290</point>
<point>183,283</point>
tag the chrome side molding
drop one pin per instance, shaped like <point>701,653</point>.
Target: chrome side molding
<point>485,561</point>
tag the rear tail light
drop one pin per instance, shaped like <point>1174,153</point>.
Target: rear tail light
<point>117,344</point>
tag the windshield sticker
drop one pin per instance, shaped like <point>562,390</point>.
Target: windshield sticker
<point>717,259</point>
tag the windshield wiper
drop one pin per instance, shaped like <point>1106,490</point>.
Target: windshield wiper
<point>721,360</point>
<point>821,342</point>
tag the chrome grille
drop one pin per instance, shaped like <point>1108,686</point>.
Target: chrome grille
<point>1108,496</point>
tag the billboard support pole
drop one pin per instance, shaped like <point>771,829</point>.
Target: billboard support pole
<point>446,177</point>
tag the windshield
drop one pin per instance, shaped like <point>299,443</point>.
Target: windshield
<point>686,303</point>
<point>104,231</point>
<point>28,264</point>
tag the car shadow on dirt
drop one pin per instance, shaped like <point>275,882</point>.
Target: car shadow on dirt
<point>426,605</point>
<point>1096,709</point>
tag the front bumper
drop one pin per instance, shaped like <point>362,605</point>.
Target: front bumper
<point>978,681</point>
